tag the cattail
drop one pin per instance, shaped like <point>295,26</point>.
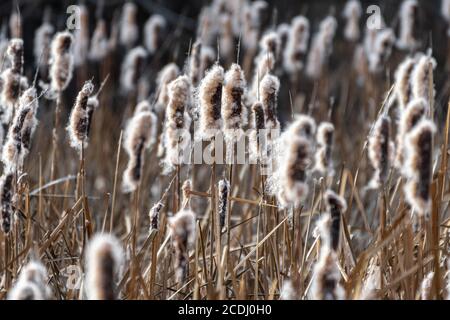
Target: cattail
<point>207,59</point>
<point>323,163</point>
<point>326,275</point>
<point>61,61</point>
<point>382,48</point>
<point>99,43</point>
<point>182,230</point>
<point>78,121</point>
<point>234,112</point>
<point>32,283</point>
<point>10,92</point>
<point>153,32</point>
<point>256,138</point>
<point>154,215</point>
<point>422,85</point>
<point>19,133</point>
<point>304,126</point>
<point>210,99</point>
<point>81,37</point>
<point>264,63</point>
<point>140,134</point>
<point>195,63</point>
<point>297,44</point>
<point>380,151</point>
<point>413,113</point>
<point>335,206</point>
<point>321,48</point>
<point>426,286</point>
<point>226,44</point>
<point>283,30</point>
<point>169,73</point>
<point>293,176</point>
<point>104,258</point>
<point>131,69</point>
<point>143,106</point>
<point>129,31</point>
<point>15,25</point>
<point>352,13</point>
<point>178,121</point>
<point>418,166</point>
<point>28,103</point>
<point>402,88</point>
<point>270,42</point>
<point>6,195</point>
<point>408,14</point>
<point>186,189</point>
<point>42,44</point>
<point>224,191</point>
<point>15,55</point>
<point>268,89</point>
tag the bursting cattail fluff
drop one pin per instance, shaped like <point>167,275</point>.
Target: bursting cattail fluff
<point>15,55</point>
<point>182,230</point>
<point>104,258</point>
<point>283,31</point>
<point>322,157</point>
<point>140,134</point>
<point>131,69</point>
<point>210,99</point>
<point>422,85</point>
<point>79,118</point>
<point>335,206</point>
<point>6,197</point>
<point>408,23</point>
<point>185,190</point>
<point>402,87</point>
<point>321,48</point>
<point>352,13</point>
<point>169,73</point>
<point>129,31</point>
<point>234,112</point>
<point>297,44</point>
<point>42,44</point>
<point>28,103</point>
<point>380,151</point>
<point>382,48</point>
<point>31,284</point>
<point>268,89</point>
<point>178,121</point>
<point>413,113</point>
<point>61,61</point>
<point>10,92</point>
<point>223,191</point>
<point>418,166</point>
<point>81,37</point>
<point>154,216</point>
<point>153,33</point>
<point>257,136</point>
<point>99,42</point>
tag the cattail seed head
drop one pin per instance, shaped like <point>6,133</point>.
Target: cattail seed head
<point>270,42</point>
<point>99,43</point>
<point>413,113</point>
<point>195,63</point>
<point>408,14</point>
<point>42,44</point>
<point>28,103</point>
<point>61,61</point>
<point>154,215</point>
<point>352,13</point>
<point>11,88</point>
<point>129,31</point>
<point>234,112</point>
<point>326,284</point>
<point>153,32</point>
<point>31,284</point>
<point>402,81</point>
<point>382,48</point>
<point>283,31</point>
<point>140,134</point>
<point>143,106</point>
<point>422,78</point>
<point>418,166</point>
<point>323,163</point>
<point>210,99</point>
<point>224,191</point>
<point>186,189</point>
<point>169,73</point>
<point>182,229</point>
<point>268,89</point>
<point>335,206</point>
<point>304,126</point>
<point>103,260</point>
<point>131,69</point>
<point>256,138</point>
<point>380,151</point>
<point>297,44</point>
<point>6,195</point>
<point>15,55</point>
<point>78,121</point>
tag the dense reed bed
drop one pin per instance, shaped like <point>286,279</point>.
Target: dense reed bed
<point>243,152</point>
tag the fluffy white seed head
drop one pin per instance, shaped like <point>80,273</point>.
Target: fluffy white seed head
<point>129,31</point>
<point>61,61</point>
<point>153,32</point>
